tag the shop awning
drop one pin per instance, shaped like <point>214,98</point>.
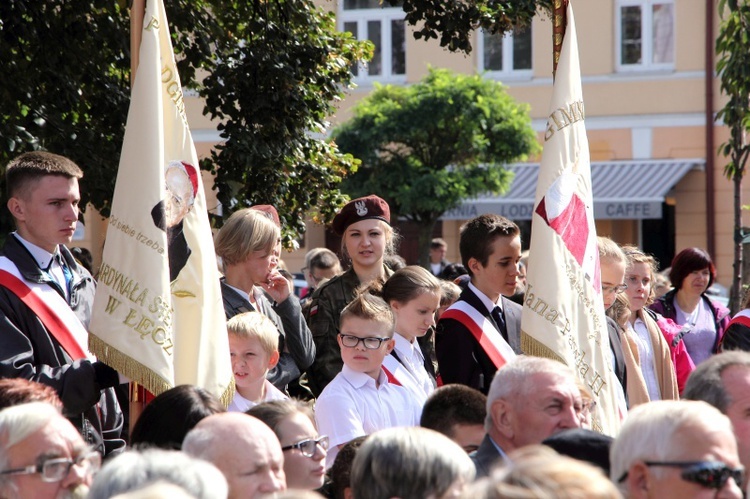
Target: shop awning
<point>622,190</point>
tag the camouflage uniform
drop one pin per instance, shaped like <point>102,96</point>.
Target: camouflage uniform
<point>326,305</point>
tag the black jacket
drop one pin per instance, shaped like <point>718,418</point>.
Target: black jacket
<point>28,350</point>
<point>615,344</point>
<point>460,357</point>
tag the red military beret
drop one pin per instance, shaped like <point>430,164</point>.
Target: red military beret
<point>365,208</point>
<point>268,211</point>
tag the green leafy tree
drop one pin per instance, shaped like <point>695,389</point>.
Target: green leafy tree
<point>66,81</point>
<point>272,83</point>
<point>733,65</point>
<point>274,70</point>
<point>427,147</point>
<point>455,21</point>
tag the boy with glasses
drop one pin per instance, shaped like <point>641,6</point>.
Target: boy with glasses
<point>364,397</point>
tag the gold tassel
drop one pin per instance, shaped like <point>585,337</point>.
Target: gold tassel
<point>127,366</point>
<point>134,370</point>
<point>228,395</point>
<point>532,346</point>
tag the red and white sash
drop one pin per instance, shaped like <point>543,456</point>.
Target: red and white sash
<point>398,374</point>
<point>390,377</point>
<point>50,307</point>
<point>489,338</point>
<point>742,318</point>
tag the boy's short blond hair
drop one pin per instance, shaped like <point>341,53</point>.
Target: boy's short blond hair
<point>255,325</point>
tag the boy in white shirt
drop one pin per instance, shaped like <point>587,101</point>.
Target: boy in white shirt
<point>254,349</point>
<point>363,398</point>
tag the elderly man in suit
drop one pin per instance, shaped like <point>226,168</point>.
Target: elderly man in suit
<point>530,399</point>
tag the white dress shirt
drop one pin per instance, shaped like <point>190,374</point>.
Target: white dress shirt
<point>646,354</point>
<point>47,262</point>
<point>241,404</point>
<point>412,359</point>
<point>353,405</point>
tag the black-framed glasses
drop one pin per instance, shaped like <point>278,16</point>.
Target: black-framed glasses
<point>709,474</point>
<point>308,446</point>
<point>55,470</point>
<point>370,343</point>
<point>614,289</point>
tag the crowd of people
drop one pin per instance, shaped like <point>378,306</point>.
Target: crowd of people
<point>387,380</point>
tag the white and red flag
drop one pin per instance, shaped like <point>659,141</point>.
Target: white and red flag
<point>563,314</point>
<point>158,316</point>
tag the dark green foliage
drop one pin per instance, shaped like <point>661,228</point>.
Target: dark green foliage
<point>273,81</point>
<point>274,69</point>
<point>427,147</point>
<point>454,21</point>
<point>733,65</point>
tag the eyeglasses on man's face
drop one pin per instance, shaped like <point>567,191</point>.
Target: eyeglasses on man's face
<point>709,474</point>
<point>309,446</point>
<point>370,343</point>
<point>55,470</point>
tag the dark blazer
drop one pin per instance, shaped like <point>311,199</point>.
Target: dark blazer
<point>486,457</point>
<point>28,350</point>
<point>460,357</point>
<point>615,343</point>
<point>294,335</point>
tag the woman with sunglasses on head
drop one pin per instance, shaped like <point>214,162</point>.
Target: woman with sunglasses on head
<point>703,321</point>
<point>367,236</point>
<point>662,357</point>
<point>304,450</point>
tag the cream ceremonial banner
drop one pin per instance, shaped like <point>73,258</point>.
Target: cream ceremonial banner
<point>158,315</point>
<point>563,314</point>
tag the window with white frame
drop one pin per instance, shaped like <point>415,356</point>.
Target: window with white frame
<point>384,27</point>
<point>645,35</point>
<point>505,55</point>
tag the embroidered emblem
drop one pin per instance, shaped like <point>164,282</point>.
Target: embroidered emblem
<point>361,208</point>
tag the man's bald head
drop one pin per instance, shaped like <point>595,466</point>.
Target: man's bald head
<point>244,449</point>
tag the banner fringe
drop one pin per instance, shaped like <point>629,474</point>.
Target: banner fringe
<point>130,368</point>
<point>532,346</point>
<point>228,395</point>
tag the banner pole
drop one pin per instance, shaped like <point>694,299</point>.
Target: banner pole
<point>137,13</point>
<point>559,23</point>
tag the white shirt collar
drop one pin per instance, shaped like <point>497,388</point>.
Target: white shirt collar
<point>42,256</point>
<point>358,379</point>
<point>498,448</point>
<point>409,350</point>
<point>485,299</point>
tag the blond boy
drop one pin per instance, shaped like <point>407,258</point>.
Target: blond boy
<point>254,350</point>
<point>363,397</point>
